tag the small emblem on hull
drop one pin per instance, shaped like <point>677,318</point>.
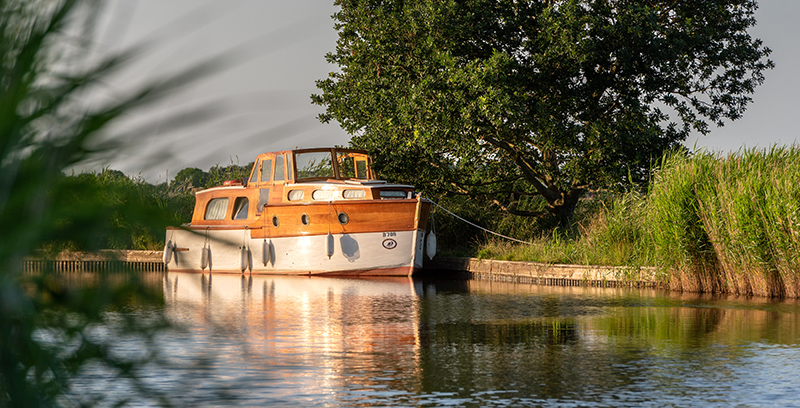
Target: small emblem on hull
<point>389,243</point>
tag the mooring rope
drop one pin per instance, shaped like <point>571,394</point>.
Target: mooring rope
<point>479,227</point>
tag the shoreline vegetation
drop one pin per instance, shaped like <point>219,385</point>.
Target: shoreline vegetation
<point>708,223</point>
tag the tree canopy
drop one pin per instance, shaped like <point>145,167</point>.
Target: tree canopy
<point>508,99</point>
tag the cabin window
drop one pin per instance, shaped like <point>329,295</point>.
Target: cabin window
<point>275,221</point>
<point>305,219</point>
<point>343,218</point>
<point>393,194</point>
<point>296,195</point>
<point>347,167</point>
<point>289,166</point>
<point>254,176</point>
<point>313,165</point>
<point>361,169</point>
<point>354,193</point>
<point>280,172</point>
<point>240,208</point>
<point>321,195</point>
<point>266,170</point>
<point>216,209</point>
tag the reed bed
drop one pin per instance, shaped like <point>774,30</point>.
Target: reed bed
<point>710,223</point>
<point>729,224</point>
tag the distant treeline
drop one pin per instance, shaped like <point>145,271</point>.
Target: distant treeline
<point>193,178</point>
<point>130,212</point>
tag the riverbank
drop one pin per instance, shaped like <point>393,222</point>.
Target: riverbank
<point>708,223</point>
<point>712,224</point>
<point>104,260</point>
<point>471,268</point>
<point>548,274</point>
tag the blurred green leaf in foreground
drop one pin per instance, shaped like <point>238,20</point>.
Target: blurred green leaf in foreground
<point>48,326</point>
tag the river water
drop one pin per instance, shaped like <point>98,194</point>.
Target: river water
<point>251,341</point>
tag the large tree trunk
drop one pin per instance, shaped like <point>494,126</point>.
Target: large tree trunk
<point>560,203</point>
<point>564,208</point>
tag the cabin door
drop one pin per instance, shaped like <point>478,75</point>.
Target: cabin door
<point>263,199</point>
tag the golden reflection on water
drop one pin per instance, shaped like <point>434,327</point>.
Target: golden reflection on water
<point>404,341</point>
<point>334,325</point>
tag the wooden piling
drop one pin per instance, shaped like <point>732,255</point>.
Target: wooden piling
<point>105,260</point>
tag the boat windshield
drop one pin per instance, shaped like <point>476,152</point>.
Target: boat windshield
<point>319,164</point>
<point>314,165</point>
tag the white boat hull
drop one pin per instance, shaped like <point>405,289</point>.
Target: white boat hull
<point>370,254</point>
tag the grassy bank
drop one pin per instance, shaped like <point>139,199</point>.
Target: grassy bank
<point>609,232</point>
<point>728,224</point>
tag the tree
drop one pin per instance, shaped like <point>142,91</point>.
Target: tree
<point>217,174</point>
<point>191,177</point>
<point>508,99</point>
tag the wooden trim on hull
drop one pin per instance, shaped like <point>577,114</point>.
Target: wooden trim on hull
<point>362,217</point>
<point>359,217</point>
<point>398,271</point>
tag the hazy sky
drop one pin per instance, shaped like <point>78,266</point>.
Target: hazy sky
<point>261,101</point>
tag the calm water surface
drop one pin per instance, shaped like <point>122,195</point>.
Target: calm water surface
<point>291,341</point>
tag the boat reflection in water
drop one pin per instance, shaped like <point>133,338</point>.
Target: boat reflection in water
<point>313,336</point>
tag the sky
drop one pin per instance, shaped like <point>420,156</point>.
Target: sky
<point>260,101</point>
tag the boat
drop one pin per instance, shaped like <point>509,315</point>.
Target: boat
<point>305,212</point>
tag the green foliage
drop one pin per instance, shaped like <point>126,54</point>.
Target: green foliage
<point>620,232</point>
<point>48,328</point>
<point>611,230</point>
<point>114,212</point>
<point>191,177</point>
<point>501,101</point>
<point>219,174</point>
<point>118,212</point>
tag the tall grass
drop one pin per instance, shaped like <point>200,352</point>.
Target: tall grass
<point>710,223</point>
<point>730,224</point>
<point>680,241</point>
<point>609,232</point>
